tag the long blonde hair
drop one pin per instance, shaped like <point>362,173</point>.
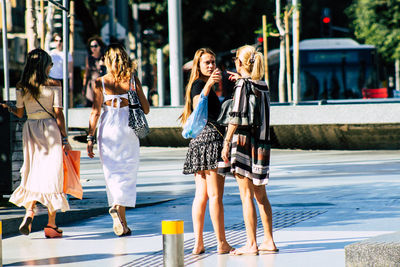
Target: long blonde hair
<point>252,61</point>
<point>34,74</point>
<point>194,75</point>
<point>118,63</point>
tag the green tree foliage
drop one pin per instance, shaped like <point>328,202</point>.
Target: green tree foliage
<point>221,25</point>
<point>378,23</point>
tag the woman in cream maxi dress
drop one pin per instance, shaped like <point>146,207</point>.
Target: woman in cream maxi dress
<point>43,141</point>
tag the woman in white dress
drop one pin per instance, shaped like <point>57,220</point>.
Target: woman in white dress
<point>117,142</point>
<point>44,138</point>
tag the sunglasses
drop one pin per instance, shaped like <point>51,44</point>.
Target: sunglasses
<point>58,40</point>
<point>94,46</point>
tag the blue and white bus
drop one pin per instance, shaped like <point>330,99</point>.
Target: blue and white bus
<point>332,68</point>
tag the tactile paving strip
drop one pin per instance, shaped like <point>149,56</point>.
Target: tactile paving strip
<point>235,234</point>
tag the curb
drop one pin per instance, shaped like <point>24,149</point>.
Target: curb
<point>11,225</point>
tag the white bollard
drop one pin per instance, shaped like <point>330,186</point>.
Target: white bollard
<point>172,232</point>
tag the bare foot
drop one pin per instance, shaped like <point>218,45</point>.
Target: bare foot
<point>268,246</point>
<point>245,251</point>
<point>224,248</point>
<point>198,251</point>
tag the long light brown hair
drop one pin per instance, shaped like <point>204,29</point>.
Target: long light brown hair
<point>194,75</point>
<point>34,74</point>
<point>118,63</point>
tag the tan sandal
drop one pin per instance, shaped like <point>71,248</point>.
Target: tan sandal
<point>26,224</point>
<point>243,252</point>
<point>118,227</point>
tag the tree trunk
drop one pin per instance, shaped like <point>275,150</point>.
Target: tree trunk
<point>50,26</point>
<point>31,32</point>
<point>288,65</point>
<point>281,52</point>
<point>397,73</point>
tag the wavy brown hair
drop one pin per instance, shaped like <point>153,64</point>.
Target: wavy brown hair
<point>194,75</point>
<point>118,63</point>
<point>34,74</point>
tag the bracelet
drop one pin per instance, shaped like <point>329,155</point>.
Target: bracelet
<point>227,142</point>
<point>65,140</point>
<point>91,138</point>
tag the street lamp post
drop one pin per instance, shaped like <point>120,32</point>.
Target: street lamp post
<point>5,50</point>
<point>175,51</point>
<point>65,61</point>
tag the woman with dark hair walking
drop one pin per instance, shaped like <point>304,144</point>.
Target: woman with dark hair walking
<point>94,67</point>
<point>44,140</point>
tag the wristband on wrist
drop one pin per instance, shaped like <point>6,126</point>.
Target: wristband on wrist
<point>91,138</point>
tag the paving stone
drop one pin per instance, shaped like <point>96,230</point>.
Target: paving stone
<point>383,250</point>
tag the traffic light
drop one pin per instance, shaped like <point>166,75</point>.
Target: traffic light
<point>326,23</point>
<point>259,41</point>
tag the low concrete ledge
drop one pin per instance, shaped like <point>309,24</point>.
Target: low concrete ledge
<point>383,250</point>
<point>347,125</point>
<point>337,136</point>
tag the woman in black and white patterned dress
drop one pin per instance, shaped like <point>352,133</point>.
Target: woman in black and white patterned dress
<point>246,149</point>
<point>204,151</point>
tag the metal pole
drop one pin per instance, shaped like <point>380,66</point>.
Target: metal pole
<point>65,62</point>
<point>72,48</point>
<point>265,48</point>
<point>175,51</point>
<point>172,232</point>
<point>5,50</point>
<point>288,66</point>
<point>138,38</point>
<point>296,39</point>
<point>111,20</point>
<point>160,77</point>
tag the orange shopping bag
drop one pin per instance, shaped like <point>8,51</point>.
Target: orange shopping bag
<point>72,180</point>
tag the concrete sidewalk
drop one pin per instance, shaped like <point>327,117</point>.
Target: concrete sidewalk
<point>322,201</point>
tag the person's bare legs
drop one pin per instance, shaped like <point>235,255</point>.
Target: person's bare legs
<point>121,211</point>
<point>215,191</point>
<point>246,189</point>
<point>52,218</point>
<point>198,211</point>
<point>30,209</point>
<point>265,210</point>
<point>26,225</point>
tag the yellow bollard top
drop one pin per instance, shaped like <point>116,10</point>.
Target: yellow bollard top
<point>1,230</point>
<point>172,227</point>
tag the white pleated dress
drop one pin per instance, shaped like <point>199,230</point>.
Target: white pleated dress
<point>119,152</point>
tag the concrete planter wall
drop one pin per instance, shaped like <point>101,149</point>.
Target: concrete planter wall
<point>349,125</point>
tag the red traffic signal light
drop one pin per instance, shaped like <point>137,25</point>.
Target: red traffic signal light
<point>260,39</point>
<point>326,20</point>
